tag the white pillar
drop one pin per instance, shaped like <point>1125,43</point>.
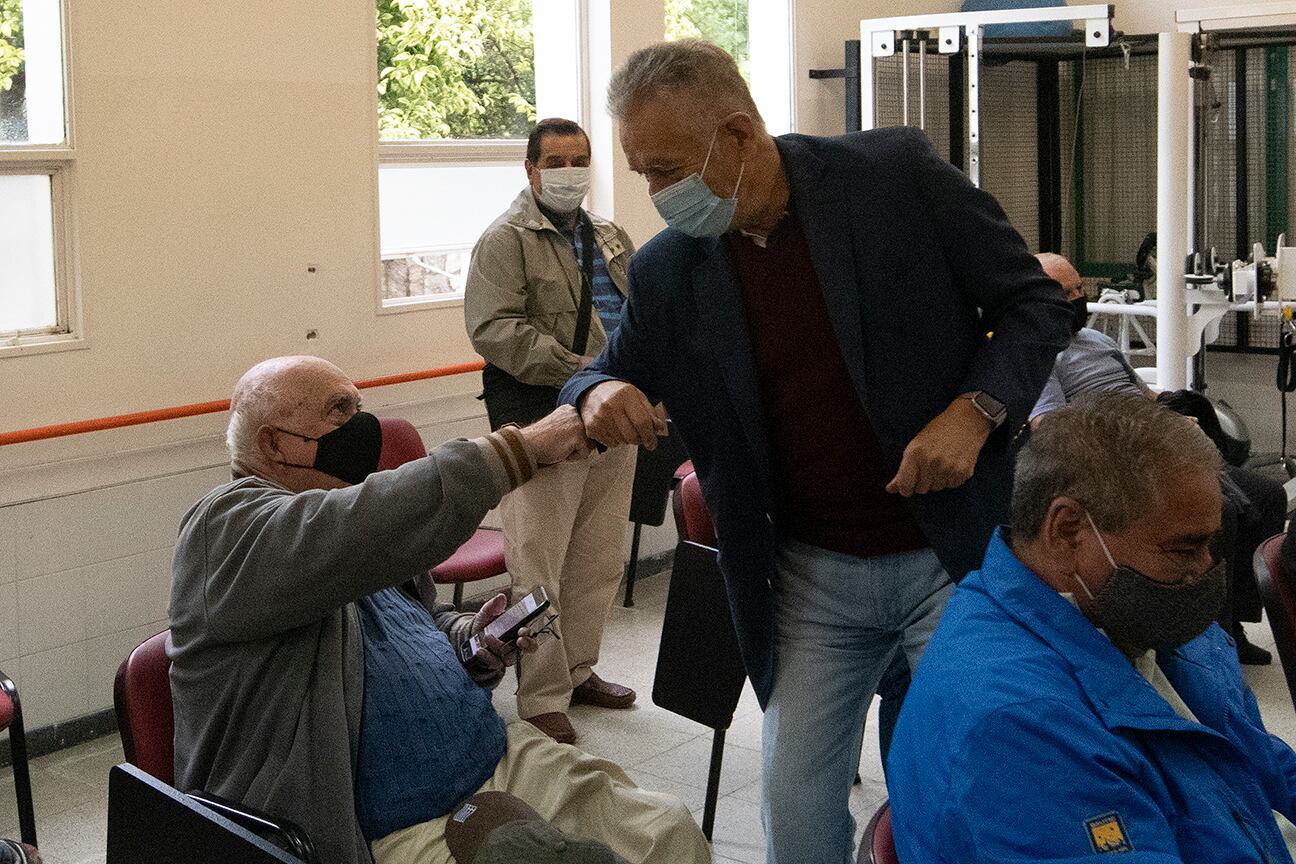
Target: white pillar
<point>1174,113</point>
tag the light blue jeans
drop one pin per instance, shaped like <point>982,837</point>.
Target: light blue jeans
<point>839,621</point>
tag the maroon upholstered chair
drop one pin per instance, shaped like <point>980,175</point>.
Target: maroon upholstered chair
<point>692,518</point>
<point>877,846</point>
<point>696,624</point>
<point>1278,591</point>
<point>401,443</point>
<point>483,555</point>
<point>11,718</point>
<point>142,701</point>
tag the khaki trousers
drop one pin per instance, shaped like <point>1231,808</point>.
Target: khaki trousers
<point>565,529</point>
<point>580,794</point>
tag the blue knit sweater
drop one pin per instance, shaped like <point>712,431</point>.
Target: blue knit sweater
<point>429,736</point>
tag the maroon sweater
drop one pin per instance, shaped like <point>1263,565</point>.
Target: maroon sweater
<point>829,475</point>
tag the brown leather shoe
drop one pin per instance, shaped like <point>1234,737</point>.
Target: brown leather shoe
<point>554,724</point>
<point>604,694</point>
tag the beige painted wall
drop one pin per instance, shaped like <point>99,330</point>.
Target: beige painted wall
<point>223,148</point>
<point>824,26</point>
<point>233,148</point>
<point>217,160</point>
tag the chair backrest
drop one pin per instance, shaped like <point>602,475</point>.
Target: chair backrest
<point>877,846</point>
<point>142,698</point>
<point>6,704</point>
<point>654,476</point>
<point>1278,591</point>
<point>700,672</point>
<point>401,443</point>
<point>691,515</point>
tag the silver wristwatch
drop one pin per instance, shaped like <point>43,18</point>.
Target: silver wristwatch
<point>991,408</point>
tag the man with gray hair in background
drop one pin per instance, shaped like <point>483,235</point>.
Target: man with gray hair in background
<point>814,318</point>
<point>1077,698</point>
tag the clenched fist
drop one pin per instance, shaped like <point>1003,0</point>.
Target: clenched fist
<point>558,437</point>
<point>944,454</point>
<point>617,413</point>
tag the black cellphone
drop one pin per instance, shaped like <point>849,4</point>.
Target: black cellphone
<point>506,626</point>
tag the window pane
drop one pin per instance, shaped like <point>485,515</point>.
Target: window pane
<point>723,22</point>
<point>27,291</point>
<point>31,72</point>
<point>431,216</point>
<point>455,69</point>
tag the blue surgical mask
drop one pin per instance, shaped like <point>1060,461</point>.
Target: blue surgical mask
<point>690,206</point>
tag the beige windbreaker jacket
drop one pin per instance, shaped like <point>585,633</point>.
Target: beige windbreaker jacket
<point>523,289</point>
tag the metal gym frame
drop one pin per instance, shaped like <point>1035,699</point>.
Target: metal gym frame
<point>950,32</point>
<point>960,36</point>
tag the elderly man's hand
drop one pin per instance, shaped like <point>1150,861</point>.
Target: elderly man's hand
<point>944,454</point>
<point>494,654</point>
<point>559,437</point>
<point>617,413</point>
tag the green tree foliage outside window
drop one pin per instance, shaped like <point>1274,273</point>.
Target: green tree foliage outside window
<point>454,69</point>
<point>11,42</point>
<point>13,102</point>
<point>723,22</point>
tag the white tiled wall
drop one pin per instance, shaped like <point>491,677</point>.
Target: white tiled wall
<point>90,579</point>
<point>85,577</point>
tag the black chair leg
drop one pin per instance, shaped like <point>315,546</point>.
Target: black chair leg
<point>21,772</point>
<point>458,596</point>
<point>632,565</point>
<point>713,783</point>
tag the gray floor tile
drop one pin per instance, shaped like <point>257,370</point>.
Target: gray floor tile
<point>688,764</point>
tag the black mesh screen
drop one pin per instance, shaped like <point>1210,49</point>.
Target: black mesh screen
<point>1106,128</point>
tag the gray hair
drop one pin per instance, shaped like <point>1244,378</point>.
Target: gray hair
<point>1113,453</point>
<point>690,67</point>
<point>258,401</point>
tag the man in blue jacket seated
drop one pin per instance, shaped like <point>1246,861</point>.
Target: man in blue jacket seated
<point>1076,698</point>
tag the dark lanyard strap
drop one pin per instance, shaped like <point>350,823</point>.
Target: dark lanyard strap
<point>581,337</point>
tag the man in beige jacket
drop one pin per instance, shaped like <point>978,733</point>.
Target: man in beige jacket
<point>545,288</point>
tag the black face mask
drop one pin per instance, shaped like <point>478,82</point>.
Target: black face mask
<point>1079,313</point>
<point>350,452</point>
<point>1139,613</point>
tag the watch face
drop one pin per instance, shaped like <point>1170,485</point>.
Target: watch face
<point>990,406</point>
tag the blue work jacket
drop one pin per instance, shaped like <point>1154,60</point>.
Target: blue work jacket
<point>1027,736</point>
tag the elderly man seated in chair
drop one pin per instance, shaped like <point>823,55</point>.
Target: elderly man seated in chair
<point>307,684</point>
<point>1077,699</point>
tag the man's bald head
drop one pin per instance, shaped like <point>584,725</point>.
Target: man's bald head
<point>1061,271</point>
<point>306,396</point>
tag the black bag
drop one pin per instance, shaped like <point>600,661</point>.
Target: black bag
<point>509,400</point>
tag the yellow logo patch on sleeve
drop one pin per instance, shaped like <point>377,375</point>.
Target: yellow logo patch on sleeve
<point>1107,834</point>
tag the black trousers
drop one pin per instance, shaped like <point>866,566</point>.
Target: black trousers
<point>1245,525</point>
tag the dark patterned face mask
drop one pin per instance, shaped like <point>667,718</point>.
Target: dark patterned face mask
<point>1139,613</point>
<point>1079,314</point>
<point>350,452</point>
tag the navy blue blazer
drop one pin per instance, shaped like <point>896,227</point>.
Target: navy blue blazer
<point>916,266</point>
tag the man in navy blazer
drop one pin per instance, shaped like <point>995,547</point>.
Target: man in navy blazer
<point>815,321</point>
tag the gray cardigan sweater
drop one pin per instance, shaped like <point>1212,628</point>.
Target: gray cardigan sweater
<point>267,674</point>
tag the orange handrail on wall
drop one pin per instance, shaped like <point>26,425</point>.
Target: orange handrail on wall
<point>41,433</point>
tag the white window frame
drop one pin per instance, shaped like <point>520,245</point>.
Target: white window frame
<point>58,161</point>
<point>472,153</point>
